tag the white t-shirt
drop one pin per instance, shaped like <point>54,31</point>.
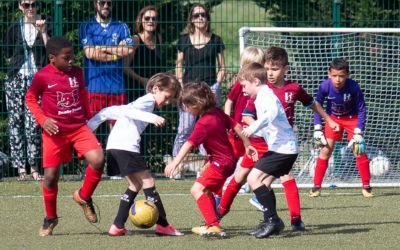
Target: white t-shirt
<point>30,33</point>
<point>272,123</point>
<point>132,120</point>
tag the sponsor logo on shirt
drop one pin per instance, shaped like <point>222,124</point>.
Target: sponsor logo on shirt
<point>51,85</point>
<point>289,97</point>
<point>115,37</point>
<point>346,97</point>
<point>69,99</point>
<point>73,82</point>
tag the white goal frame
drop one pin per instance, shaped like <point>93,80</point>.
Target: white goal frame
<point>242,43</point>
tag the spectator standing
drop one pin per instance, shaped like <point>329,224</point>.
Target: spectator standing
<point>198,54</point>
<point>147,59</point>
<point>105,42</point>
<point>25,51</point>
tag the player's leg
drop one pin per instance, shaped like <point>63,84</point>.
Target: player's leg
<point>163,227</point>
<point>86,145</point>
<point>232,190</point>
<point>202,191</point>
<point>50,191</point>
<point>361,160</point>
<point>126,201</point>
<point>293,201</point>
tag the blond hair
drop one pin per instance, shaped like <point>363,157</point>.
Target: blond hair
<point>252,71</point>
<point>251,55</point>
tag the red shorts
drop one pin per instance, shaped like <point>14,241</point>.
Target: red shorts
<point>348,123</point>
<point>261,147</point>
<point>57,149</point>
<point>237,145</point>
<point>99,101</point>
<point>211,179</point>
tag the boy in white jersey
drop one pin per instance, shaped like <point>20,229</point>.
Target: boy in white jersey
<point>271,124</point>
<point>123,148</point>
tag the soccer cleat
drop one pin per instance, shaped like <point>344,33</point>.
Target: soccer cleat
<point>47,228</point>
<point>253,201</point>
<point>207,231</point>
<point>298,225</point>
<point>273,226</point>
<point>315,191</point>
<point>87,207</point>
<point>167,230</point>
<point>255,230</point>
<point>115,231</point>
<point>367,192</point>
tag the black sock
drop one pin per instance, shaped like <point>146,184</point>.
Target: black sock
<point>153,196</point>
<point>125,204</point>
<point>267,199</point>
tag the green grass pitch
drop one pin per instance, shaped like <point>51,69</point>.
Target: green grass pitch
<point>340,219</point>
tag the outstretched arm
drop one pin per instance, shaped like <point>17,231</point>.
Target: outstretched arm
<point>170,169</point>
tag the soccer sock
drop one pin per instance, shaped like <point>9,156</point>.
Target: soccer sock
<point>293,199</point>
<point>50,200</point>
<point>206,206</point>
<point>230,193</point>
<point>90,182</point>
<point>363,169</point>
<point>125,204</point>
<point>267,199</point>
<point>153,196</point>
<point>320,170</point>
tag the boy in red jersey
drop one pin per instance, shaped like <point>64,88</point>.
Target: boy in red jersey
<point>210,130</point>
<point>62,114</point>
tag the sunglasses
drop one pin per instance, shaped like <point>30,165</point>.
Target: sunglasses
<point>202,14</point>
<point>148,18</point>
<point>103,3</point>
<point>28,5</point>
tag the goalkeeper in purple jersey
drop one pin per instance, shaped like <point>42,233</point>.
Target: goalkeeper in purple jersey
<point>345,105</point>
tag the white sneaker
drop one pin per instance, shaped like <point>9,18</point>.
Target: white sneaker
<point>253,201</point>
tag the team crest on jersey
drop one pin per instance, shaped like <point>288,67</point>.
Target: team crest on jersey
<point>69,99</point>
<point>346,97</point>
<point>73,82</point>
<point>289,96</point>
<point>115,37</point>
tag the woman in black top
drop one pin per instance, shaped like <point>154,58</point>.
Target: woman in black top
<point>25,52</point>
<point>147,59</point>
<point>199,51</point>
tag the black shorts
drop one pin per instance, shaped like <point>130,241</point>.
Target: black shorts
<point>122,162</point>
<point>276,164</point>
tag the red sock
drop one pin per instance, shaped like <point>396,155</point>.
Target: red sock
<point>90,182</point>
<point>50,200</point>
<point>206,205</point>
<point>320,170</point>
<point>363,169</point>
<point>230,193</point>
<point>293,199</point>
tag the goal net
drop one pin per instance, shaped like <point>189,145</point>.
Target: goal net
<point>374,58</point>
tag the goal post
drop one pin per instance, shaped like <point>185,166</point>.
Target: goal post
<point>374,58</point>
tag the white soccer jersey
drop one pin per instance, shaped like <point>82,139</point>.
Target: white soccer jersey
<point>132,119</point>
<point>272,123</point>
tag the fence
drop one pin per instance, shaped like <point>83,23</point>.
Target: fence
<point>226,18</point>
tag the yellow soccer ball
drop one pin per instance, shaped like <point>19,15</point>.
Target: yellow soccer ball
<point>143,214</point>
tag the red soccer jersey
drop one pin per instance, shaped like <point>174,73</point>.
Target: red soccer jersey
<point>288,94</point>
<point>63,97</point>
<point>239,98</point>
<point>210,130</point>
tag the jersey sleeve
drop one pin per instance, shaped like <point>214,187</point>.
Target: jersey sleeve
<point>32,100</point>
<point>306,99</point>
<point>126,34</point>
<point>85,38</point>
<point>198,135</point>
<point>182,43</point>
<point>362,112</point>
<point>220,44</point>
<point>320,98</point>
<point>235,92</point>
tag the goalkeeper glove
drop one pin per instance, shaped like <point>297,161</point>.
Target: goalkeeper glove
<point>319,137</point>
<point>357,143</point>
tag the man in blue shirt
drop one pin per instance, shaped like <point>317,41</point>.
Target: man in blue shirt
<point>346,106</point>
<point>105,42</point>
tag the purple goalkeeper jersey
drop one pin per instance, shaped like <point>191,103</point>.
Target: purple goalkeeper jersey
<point>348,101</point>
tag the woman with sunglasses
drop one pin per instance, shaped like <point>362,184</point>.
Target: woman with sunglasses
<point>25,54</point>
<point>147,59</point>
<point>199,51</point>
